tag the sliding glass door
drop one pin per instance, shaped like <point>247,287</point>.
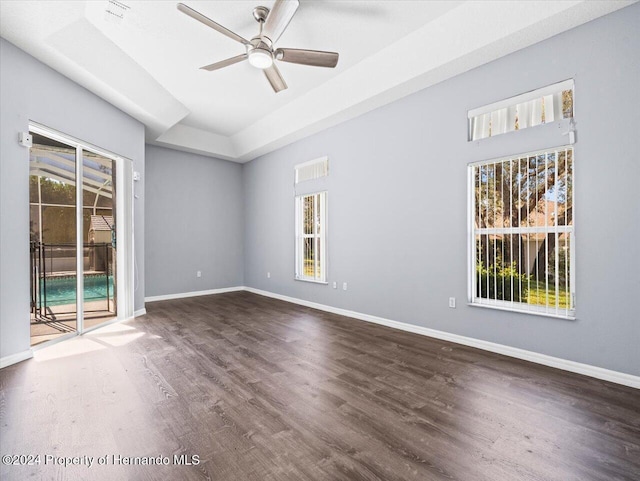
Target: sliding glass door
<point>99,238</point>
<point>74,237</point>
<point>53,242</point>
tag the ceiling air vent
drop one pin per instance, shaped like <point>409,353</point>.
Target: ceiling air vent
<point>115,11</point>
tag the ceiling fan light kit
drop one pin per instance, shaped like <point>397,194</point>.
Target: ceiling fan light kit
<point>260,49</point>
<point>260,58</point>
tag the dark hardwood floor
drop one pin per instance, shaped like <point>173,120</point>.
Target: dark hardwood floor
<point>261,389</point>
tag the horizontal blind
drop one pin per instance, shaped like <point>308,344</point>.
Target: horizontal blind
<point>547,104</point>
<point>313,169</point>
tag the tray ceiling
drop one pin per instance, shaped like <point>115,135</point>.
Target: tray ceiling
<point>144,57</point>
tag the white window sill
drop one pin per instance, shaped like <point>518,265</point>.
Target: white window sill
<point>570,317</point>
<point>313,281</point>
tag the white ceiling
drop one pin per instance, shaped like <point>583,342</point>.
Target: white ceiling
<point>147,63</point>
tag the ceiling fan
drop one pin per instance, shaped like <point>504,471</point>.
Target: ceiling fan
<point>260,50</point>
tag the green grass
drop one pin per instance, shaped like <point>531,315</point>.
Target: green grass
<point>538,295</point>
<point>309,268</point>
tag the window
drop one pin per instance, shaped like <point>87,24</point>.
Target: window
<point>314,169</point>
<point>547,104</point>
<point>522,233</point>
<point>311,234</point>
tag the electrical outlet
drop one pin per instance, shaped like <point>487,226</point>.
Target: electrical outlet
<point>452,302</point>
<point>199,274</point>
<point>268,275</point>
<point>344,286</point>
<point>335,285</point>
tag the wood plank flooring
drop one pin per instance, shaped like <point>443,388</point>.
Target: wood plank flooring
<point>261,389</point>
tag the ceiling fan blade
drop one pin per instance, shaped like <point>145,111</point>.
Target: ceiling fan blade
<point>275,78</point>
<point>225,63</point>
<point>315,58</point>
<point>210,23</point>
<point>278,19</point>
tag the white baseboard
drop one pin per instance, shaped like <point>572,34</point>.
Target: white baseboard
<point>559,363</point>
<point>140,312</point>
<point>193,294</point>
<point>15,358</point>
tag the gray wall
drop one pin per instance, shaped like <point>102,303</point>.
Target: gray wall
<point>29,90</point>
<point>398,200</point>
<point>193,222</point>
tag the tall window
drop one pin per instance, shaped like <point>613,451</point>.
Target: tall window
<point>311,234</point>
<point>522,233</point>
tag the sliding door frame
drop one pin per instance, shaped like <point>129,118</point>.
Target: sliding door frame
<point>124,229</point>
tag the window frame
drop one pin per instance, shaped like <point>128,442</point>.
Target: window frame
<point>300,236</point>
<point>569,230</point>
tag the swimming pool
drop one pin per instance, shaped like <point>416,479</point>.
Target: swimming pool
<point>61,291</point>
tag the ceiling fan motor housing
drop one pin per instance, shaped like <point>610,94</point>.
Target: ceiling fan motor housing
<point>260,53</point>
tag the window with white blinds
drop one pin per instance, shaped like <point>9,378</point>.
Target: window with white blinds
<point>311,235</point>
<point>547,104</point>
<point>314,169</point>
<point>522,233</point>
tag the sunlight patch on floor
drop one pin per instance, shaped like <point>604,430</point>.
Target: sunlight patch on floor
<point>116,334</point>
<point>71,347</point>
<point>113,335</point>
